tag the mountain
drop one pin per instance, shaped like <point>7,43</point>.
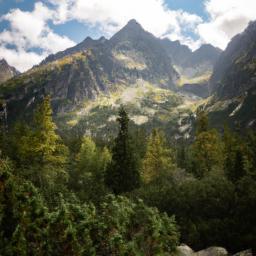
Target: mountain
<point>134,48</point>
<point>88,82</point>
<point>192,64</point>
<point>195,68</point>
<point>177,52</point>
<point>234,73</point>
<point>93,67</point>
<point>6,71</point>
<point>233,83</point>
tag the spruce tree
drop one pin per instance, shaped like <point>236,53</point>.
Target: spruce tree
<point>122,173</point>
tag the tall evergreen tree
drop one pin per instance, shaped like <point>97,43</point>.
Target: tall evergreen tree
<point>159,159</point>
<point>207,151</point>
<point>122,173</point>
<point>237,156</point>
<point>42,156</point>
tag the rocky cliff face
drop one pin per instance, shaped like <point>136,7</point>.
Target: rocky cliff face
<point>6,71</point>
<point>233,83</point>
<point>191,65</point>
<point>235,72</point>
<point>137,50</point>
<point>69,81</point>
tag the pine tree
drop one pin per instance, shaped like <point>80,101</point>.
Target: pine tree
<point>159,159</point>
<point>122,173</point>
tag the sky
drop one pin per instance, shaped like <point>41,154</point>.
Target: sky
<point>31,30</point>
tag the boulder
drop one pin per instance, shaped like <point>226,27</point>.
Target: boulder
<point>184,250</point>
<point>212,251</point>
<point>244,253</point>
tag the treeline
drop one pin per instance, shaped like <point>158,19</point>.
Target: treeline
<point>76,196</point>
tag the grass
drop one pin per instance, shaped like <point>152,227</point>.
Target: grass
<point>194,80</point>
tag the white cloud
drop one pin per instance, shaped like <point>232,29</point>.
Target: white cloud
<point>29,30</point>
<point>227,18</point>
<point>110,15</point>
<point>21,59</point>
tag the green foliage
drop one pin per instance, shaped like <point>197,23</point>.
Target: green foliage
<point>38,153</point>
<point>87,179</point>
<point>134,229</point>
<point>207,153</point>
<point>122,173</point>
<point>65,210</point>
<point>159,159</point>
<point>118,227</point>
<point>23,216</point>
<point>238,161</point>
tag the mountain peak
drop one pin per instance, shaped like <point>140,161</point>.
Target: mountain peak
<point>3,62</point>
<point>129,32</point>
<point>133,24</point>
<point>6,71</point>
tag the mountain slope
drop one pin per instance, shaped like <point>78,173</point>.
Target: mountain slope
<point>6,71</point>
<point>190,64</point>
<point>233,83</point>
<point>88,43</point>
<point>234,73</point>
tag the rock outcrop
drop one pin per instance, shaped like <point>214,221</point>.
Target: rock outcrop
<point>6,71</point>
<point>184,250</point>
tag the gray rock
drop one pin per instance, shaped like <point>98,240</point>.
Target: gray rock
<point>184,250</point>
<point>244,253</point>
<point>212,251</point>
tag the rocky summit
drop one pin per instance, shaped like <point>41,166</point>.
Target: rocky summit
<point>6,71</point>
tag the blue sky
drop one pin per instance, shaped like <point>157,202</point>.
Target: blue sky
<point>31,30</point>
